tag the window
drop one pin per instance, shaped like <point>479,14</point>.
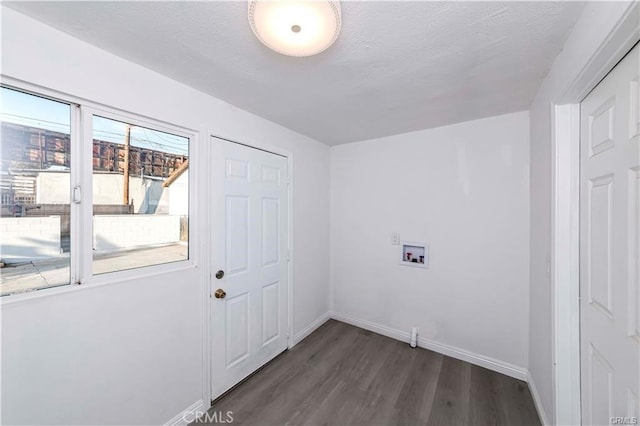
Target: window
<point>140,196</point>
<point>133,197</point>
<point>35,167</point>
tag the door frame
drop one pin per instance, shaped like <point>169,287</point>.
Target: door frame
<point>565,216</point>
<point>207,250</point>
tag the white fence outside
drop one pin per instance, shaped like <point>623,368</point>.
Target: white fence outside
<point>116,232</point>
<point>148,194</point>
<point>24,239</point>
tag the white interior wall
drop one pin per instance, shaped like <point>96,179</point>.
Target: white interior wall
<point>589,34</point>
<point>464,189</point>
<point>130,352</point>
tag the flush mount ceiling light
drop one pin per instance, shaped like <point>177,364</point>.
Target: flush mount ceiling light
<point>295,28</point>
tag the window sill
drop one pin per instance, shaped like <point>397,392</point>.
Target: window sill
<point>99,281</point>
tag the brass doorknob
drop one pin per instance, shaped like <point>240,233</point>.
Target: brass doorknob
<point>220,294</point>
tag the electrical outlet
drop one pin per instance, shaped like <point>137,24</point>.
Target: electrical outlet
<point>395,238</point>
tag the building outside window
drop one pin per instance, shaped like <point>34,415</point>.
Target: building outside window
<point>139,184</point>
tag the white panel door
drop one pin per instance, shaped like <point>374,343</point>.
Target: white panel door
<point>249,303</point>
<point>609,251</point>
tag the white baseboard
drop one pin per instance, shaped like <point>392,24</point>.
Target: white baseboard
<point>310,328</point>
<point>371,326</point>
<point>493,364</point>
<point>536,400</point>
<point>461,354</point>
<point>188,414</point>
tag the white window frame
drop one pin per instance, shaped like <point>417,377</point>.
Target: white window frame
<point>87,114</point>
<point>81,175</point>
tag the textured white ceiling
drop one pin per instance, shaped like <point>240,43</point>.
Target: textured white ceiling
<point>396,67</point>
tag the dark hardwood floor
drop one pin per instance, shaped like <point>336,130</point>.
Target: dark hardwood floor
<point>343,375</point>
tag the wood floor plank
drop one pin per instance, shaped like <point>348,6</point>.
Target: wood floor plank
<point>451,402</point>
<point>381,395</point>
<point>515,401</point>
<point>417,395</point>
<point>483,404</point>
<point>343,375</point>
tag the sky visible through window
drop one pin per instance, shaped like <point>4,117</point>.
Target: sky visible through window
<point>28,110</point>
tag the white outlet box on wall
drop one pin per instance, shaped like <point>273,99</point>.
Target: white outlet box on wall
<point>414,254</point>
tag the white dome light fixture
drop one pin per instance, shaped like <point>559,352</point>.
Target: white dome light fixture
<point>295,27</point>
